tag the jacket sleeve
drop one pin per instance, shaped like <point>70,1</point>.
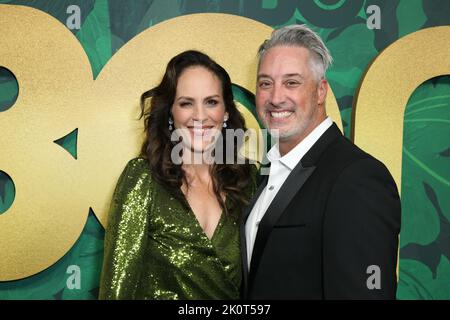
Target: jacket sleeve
<point>126,233</point>
<point>361,227</point>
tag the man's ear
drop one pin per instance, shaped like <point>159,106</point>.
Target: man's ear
<point>322,89</point>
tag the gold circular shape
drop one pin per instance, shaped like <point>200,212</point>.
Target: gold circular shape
<point>140,65</point>
<point>143,61</point>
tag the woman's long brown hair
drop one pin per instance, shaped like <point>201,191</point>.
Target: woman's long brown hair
<point>156,104</point>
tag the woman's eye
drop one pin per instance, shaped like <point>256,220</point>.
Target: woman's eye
<point>212,102</point>
<point>184,104</point>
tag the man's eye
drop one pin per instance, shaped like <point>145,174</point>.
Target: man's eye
<point>292,83</point>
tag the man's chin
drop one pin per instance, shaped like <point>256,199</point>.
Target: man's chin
<point>278,133</point>
<point>283,135</point>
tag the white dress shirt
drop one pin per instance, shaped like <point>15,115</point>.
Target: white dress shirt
<point>280,168</point>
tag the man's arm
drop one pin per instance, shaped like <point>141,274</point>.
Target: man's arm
<point>361,226</point>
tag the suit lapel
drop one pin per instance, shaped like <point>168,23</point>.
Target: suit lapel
<point>290,188</point>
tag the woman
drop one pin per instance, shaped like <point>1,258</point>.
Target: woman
<point>173,228</point>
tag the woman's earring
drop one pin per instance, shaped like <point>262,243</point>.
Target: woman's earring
<point>170,124</point>
<point>225,122</point>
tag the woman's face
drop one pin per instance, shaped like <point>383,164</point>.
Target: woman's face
<point>199,108</point>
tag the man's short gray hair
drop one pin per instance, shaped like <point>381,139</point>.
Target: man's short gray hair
<point>300,36</point>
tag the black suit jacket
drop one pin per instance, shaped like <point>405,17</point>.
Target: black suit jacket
<point>337,214</point>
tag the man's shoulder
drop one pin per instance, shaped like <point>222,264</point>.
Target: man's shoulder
<point>342,149</point>
<point>343,153</point>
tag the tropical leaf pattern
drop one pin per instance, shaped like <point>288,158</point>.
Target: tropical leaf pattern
<point>106,25</point>
<point>425,233</point>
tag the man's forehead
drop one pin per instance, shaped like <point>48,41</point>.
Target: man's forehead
<point>286,51</point>
<point>299,75</point>
<point>282,55</point>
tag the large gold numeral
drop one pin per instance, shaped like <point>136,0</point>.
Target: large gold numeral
<point>50,208</point>
<point>58,94</point>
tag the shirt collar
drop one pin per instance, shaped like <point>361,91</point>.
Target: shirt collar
<point>293,157</point>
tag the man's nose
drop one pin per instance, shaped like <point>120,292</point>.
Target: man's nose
<point>277,97</point>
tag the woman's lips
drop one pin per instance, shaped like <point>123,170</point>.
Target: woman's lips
<point>201,131</point>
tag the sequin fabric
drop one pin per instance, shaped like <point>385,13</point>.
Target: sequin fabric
<point>156,249</point>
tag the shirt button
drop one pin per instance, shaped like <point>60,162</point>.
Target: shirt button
<point>271,187</point>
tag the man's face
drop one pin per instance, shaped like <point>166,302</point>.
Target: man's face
<point>289,99</point>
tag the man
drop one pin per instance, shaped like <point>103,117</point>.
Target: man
<point>324,223</point>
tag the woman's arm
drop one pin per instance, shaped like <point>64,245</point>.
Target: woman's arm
<point>126,232</point>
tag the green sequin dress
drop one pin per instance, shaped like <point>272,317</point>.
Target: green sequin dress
<point>156,249</point>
